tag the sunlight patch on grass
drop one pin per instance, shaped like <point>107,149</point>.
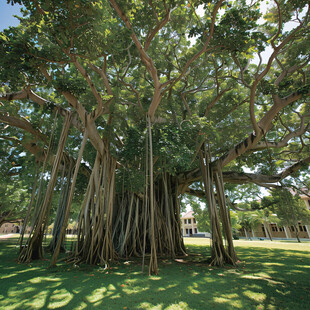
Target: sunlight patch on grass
<point>268,279</point>
<point>209,279</point>
<point>171,285</point>
<point>254,287</point>
<point>193,288</point>
<point>83,305</point>
<point>273,264</point>
<point>297,271</point>
<point>228,300</point>
<point>119,273</point>
<point>28,269</point>
<point>134,289</point>
<point>111,287</point>
<point>35,280</point>
<point>147,305</point>
<point>118,295</point>
<point>286,293</point>
<point>231,299</point>
<point>53,285</point>
<point>15,291</point>
<point>13,306</point>
<point>9,276</point>
<point>262,275</point>
<point>75,291</point>
<point>59,298</point>
<point>38,300</point>
<point>97,294</point>
<point>259,297</point>
<point>193,291</point>
<point>42,279</point>
<point>179,306</point>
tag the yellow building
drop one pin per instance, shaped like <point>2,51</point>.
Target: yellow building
<point>10,228</point>
<point>282,232</point>
<point>189,226</point>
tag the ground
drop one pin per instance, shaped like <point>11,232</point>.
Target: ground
<point>271,275</point>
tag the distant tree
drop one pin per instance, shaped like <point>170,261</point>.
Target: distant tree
<point>15,192</point>
<point>248,221</point>
<point>235,226</point>
<point>266,217</point>
<point>290,209</point>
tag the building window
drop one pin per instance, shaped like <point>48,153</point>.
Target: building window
<point>194,221</point>
<point>292,228</point>
<point>196,231</point>
<point>281,229</point>
<point>274,227</point>
<point>186,231</point>
<point>189,221</point>
<point>185,221</point>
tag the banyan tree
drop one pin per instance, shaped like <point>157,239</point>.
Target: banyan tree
<point>131,104</point>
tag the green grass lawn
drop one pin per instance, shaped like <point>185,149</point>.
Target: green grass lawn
<point>271,275</point>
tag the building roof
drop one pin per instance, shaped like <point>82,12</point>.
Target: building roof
<point>188,215</point>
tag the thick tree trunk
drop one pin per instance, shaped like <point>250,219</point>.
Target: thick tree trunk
<point>149,221</point>
<point>219,255</point>
<point>224,213</point>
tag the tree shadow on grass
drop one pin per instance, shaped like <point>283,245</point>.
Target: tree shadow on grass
<point>265,279</point>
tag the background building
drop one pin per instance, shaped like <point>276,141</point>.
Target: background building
<point>189,226</point>
<point>10,228</point>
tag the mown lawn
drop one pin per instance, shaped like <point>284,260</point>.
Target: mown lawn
<point>271,275</point>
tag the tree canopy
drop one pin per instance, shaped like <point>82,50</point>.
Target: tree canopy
<point>192,71</point>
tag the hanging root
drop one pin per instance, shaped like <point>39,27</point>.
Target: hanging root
<point>219,254</point>
<point>33,248</point>
<point>94,242</point>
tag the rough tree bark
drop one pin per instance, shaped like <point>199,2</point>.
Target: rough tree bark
<point>219,255</point>
<point>33,248</point>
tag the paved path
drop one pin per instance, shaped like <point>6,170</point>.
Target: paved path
<point>9,236</point>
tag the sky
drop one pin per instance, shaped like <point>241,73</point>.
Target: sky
<point>6,14</point>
